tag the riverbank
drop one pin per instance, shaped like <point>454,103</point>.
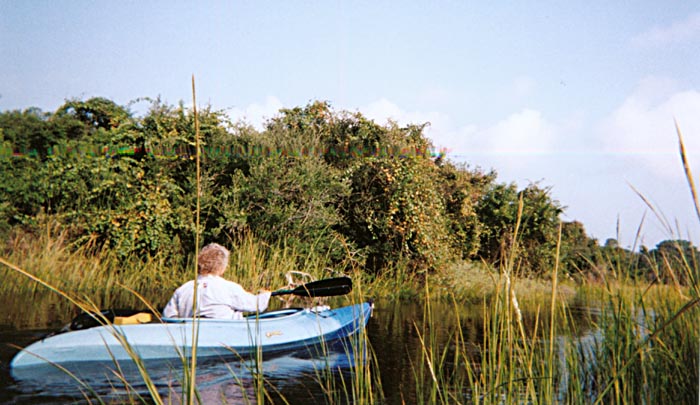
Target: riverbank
<point>103,279</point>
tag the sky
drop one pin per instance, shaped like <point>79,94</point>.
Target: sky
<point>582,99</point>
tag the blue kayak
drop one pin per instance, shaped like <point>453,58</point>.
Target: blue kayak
<point>270,332</point>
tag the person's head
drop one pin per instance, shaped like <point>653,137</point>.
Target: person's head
<point>213,259</point>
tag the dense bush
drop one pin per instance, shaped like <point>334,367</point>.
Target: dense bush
<point>313,179</point>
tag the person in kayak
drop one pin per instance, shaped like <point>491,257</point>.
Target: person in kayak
<point>216,297</point>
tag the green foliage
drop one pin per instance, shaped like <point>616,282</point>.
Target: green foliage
<point>149,224</point>
<point>672,261</point>
<point>95,114</point>
<point>390,206</point>
<point>578,252</point>
<point>22,191</point>
<point>462,189</point>
<point>535,243</point>
<point>291,200</point>
<point>27,132</point>
<point>395,211</point>
<point>314,180</point>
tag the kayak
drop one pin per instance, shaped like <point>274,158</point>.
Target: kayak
<point>171,338</point>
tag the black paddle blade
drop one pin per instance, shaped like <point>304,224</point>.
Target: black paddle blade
<point>322,288</point>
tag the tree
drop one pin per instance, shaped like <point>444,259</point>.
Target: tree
<point>578,252</point>
<point>534,246</point>
<point>674,261</point>
<point>27,132</point>
<point>96,113</point>
<point>462,189</point>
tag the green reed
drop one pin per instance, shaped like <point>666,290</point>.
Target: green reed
<point>648,351</point>
<point>645,350</point>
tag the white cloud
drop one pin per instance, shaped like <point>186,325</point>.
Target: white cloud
<point>383,110</point>
<point>687,29</point>
<point>257,114</point>
<point>525,132</point>
<point>642,129</point>
<point>509,144</point>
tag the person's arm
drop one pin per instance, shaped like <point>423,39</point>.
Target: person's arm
<point>243,301</point>
<point>170,310</point>
<point>180,305</point>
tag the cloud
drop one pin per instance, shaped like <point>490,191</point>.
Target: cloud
<point>680,31</point>
<point>525,132</point>
<point>383,110</point>
<point>257,114</point>
<point>642,128</point>
<point>507,145</point>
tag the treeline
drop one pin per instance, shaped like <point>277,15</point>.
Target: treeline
<point>314,180</point>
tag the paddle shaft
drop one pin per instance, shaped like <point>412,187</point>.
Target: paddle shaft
<point>321,288</point>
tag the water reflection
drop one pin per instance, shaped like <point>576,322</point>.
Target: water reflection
<point>229,380</point>
<point>396,329</point>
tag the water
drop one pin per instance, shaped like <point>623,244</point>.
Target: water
<point>394,331</point>
<point>292,374</point>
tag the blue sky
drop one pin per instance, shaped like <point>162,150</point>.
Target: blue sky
<point>577,97</point>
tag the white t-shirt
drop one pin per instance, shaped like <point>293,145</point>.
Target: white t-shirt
<point>216,298</point>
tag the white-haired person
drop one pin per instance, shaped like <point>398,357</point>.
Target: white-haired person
<point>216,297</point>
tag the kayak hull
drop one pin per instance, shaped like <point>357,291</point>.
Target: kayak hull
<point>272,332</point>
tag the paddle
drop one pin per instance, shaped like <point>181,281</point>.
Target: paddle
<point>322,288</point>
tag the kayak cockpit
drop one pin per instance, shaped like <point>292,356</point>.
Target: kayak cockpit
<point>254,316</point>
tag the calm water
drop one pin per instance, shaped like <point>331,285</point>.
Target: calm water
<point>295,376</point>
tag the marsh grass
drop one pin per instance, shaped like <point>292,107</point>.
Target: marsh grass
<point>98,275</point>
<point>105,280</point>
<point>643,348</point>
<point>644,351</point>
<point>504,373</point>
